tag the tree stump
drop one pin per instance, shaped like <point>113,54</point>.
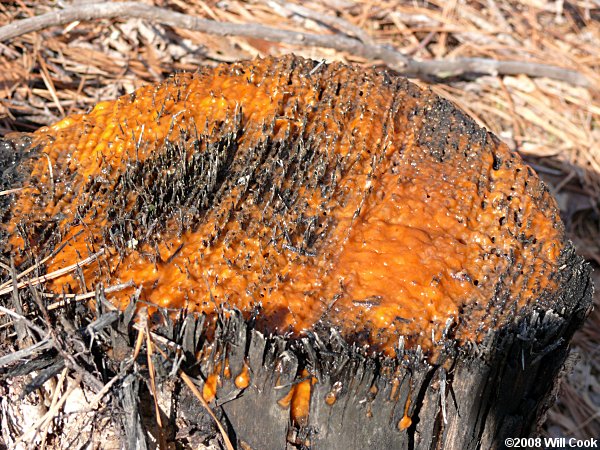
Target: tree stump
<point>358,263</point>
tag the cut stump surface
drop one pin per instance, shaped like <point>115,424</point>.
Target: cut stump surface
<point>362,265</point>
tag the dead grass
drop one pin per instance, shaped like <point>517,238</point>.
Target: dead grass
<point>554,125</point>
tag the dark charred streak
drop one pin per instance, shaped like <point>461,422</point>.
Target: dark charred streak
<point>188,178</point>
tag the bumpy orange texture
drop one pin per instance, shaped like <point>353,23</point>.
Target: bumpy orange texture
<point>316,196</point>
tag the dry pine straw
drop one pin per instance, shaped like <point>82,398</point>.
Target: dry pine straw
<point>555,126</point>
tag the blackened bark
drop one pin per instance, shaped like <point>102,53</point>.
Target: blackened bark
<point>474,397</point>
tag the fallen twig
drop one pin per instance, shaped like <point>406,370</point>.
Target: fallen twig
<point>391,57</point>
<point>56,274</point>
<point>171,18</point>
<point>446,68</point>
<point>152,371</point>
<point>17,316</point>
<point>10,191</point>
<point>38,263</point>
<point>190,384</point>
<point>72,298</point>
<point>329,20</point>
<point>55,397</point>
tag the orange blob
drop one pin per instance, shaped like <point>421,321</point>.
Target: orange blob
<point>335,197</point>
<point>242,381</point>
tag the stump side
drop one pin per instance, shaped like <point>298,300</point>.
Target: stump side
<point>473,398</point>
